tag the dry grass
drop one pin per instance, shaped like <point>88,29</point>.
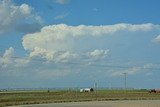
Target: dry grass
<point>37,97</point>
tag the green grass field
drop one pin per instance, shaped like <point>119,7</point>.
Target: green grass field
<point>37,97</point>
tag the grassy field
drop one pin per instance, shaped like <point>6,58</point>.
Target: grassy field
<point>37,97</point>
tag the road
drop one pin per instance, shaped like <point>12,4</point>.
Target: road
<point>127,103</point>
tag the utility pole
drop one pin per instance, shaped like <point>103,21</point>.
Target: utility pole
<point>95,87</point>
<point>125,80</point>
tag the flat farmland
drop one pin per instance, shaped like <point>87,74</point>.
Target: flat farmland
<point>39,97</point>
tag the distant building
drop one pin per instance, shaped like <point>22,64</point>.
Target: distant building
<point>87,90</point>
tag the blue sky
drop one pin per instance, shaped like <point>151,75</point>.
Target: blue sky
<point>75,43</point>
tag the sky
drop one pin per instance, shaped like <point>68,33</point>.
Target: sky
<point>76,43</point>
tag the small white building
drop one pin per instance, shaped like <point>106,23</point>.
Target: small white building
<point>87,90</point>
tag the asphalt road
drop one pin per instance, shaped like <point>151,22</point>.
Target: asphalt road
<point>127,103</point>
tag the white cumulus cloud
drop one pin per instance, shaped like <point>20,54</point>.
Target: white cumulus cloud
<point>7,57</point>
<point>98,54</point>
<point>25,9</point>
<point>50,55</point>
<point>157,39</point>
<point>65,57</point>
<point>13,16</point>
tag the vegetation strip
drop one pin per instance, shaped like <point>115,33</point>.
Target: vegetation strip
<point>39,97</point>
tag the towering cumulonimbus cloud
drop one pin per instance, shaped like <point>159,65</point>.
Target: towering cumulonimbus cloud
<point>55,40</point>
